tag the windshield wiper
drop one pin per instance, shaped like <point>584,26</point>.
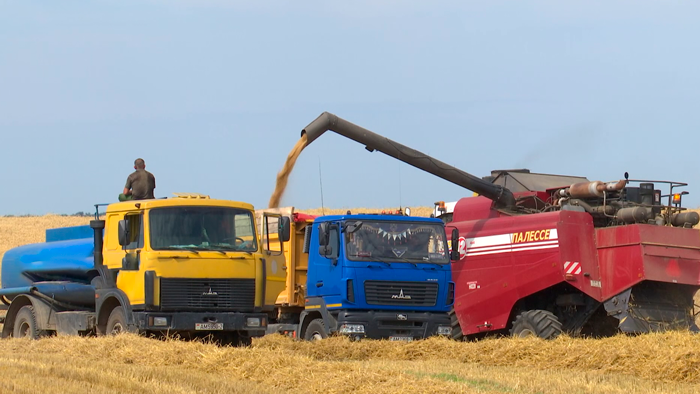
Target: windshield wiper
<point>405,260</point>
<point>187,248</point>
<point>229,248</point>
<point>369,259</point>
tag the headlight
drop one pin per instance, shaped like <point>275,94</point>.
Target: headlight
<point>252,322</point>
<point>352,329</point>
<point>444,330</point>
<point>160,321</point>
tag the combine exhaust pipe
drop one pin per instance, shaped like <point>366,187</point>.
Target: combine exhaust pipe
<point>502,197</point>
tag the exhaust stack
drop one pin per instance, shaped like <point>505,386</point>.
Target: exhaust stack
<point>502,197</point>
<point>97,227</point>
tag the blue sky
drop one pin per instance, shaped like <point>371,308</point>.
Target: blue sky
<point>213,95</point>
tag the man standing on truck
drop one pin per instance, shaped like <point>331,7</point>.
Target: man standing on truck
<point>139,184</point>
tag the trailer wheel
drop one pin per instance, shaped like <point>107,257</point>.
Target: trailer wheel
<point>457,334</point>
<point>244,341</point>
<point>25,324</point>
<point>315,331</point>
<point>543,324</point>
<point>232,339</point>
<point>116,323</point>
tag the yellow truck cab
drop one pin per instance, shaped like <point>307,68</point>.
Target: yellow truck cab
<point>188,265</point>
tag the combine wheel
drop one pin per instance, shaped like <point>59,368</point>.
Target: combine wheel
<point>116,323</point>
<point>25,324</point>
<point>315,331</point>
<point>543,324</point>
<point>457,334</point>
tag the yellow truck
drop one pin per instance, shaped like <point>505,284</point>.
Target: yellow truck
<point>189,265</point>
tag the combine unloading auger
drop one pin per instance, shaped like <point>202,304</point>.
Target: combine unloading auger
<point>502,197</point>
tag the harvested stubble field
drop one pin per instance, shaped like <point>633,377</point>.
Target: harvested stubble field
<point>655,363</point>
<point>668,363</point>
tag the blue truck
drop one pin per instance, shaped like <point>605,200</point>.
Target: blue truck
<point>363,275</point>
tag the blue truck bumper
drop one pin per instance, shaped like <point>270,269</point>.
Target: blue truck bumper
<point>394,325</point>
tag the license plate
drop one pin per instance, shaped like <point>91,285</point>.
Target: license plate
<point>208,326</point>
<point>405,339</point>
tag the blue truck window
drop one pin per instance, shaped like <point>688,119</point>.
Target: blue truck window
<point>333,243</point>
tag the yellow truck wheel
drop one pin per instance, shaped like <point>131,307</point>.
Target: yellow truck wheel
<point>116,323</point>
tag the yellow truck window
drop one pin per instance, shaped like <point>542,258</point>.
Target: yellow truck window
<point>271,228</point>
<point>202,228</point>
<point>134,223</point>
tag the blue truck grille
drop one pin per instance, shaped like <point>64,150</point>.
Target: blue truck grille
<point>207,294</point>
<point>401,293</point>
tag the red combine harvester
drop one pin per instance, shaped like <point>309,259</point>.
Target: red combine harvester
<point>543,254</point>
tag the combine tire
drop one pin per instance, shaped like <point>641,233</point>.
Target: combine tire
<point>315,331</point>
<point>25,324</point>
<point>543,324</point>
<point>116,323</point>
<point>457,334</point>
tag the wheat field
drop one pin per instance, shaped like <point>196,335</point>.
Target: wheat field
<point>653,363</point>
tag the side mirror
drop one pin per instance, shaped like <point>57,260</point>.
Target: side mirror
<point>123,233</point>
<point>407,211</point>
<point>323,234</point>
<point>130,262</point>
<point>454,253</point>
<point>324,250</point>
<point>285,229</point>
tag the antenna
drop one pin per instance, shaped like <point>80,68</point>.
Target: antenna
<point>320,181</point>
<point>400,204</point>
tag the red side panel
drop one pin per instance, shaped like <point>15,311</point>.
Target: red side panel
<point>631,254</point>
<point>579,258</point>
<point>506,259</point>
<point>473,208</point>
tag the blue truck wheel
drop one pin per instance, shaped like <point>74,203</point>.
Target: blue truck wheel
<point>315,331</point>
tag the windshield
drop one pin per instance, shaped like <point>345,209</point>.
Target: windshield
<point>397,241</point>
<point>202,228</point>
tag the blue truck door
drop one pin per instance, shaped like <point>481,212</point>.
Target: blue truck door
<point>328,268</point>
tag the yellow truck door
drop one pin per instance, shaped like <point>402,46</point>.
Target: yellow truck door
<point>275,267</point>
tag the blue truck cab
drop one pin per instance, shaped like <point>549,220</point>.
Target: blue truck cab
<point>366,276</point>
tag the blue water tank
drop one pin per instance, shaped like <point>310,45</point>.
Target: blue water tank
<point>61,266</point>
